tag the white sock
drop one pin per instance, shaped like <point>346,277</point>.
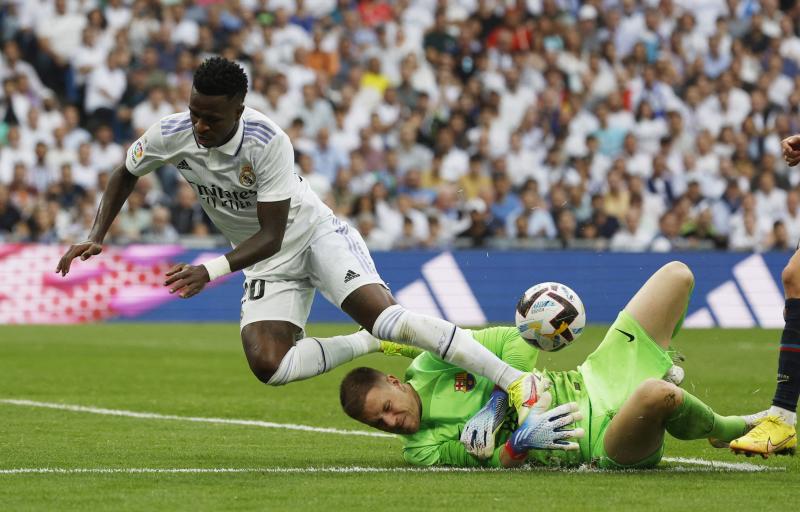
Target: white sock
<point>454,345</point>
<point>788,416</point>
<point>313,356</point>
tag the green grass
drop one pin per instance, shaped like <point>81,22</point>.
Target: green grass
<point>199,370</point>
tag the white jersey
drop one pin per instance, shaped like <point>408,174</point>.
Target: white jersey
<point>255,165</point>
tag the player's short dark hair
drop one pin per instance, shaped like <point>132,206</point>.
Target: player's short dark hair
<point>354,388</point>
<point>218,76</point>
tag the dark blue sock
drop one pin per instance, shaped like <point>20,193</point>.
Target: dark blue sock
<point>788,390</point>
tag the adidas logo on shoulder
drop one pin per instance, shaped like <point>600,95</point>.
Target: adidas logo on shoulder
<point>350,276</point>
<point>184,166</point>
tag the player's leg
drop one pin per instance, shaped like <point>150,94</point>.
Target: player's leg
<point>787,392</point>
<point>776,432</point>
<point>343,270</point>
<point>660,304</point>
<point>373,307</point>
<point>273,314</point>
<point>635,436</point>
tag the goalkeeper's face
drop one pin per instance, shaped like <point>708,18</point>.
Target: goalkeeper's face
<point>392,406</point>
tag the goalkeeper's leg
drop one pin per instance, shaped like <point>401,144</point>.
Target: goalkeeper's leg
<point>637,431</point>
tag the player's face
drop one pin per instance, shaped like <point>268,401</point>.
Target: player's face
<point>214,118</point>
<point>392,406</point>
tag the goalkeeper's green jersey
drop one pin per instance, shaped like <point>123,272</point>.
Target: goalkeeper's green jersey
<point>450,396</point>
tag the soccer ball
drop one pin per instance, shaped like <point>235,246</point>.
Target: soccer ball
<point>550,316</point>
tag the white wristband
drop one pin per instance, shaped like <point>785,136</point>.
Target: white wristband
<point>217,267</point>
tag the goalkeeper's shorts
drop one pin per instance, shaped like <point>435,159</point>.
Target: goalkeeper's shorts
<point>625,358</point>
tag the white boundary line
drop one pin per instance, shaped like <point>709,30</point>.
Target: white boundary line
<point>695,465</point>
<point>195,419</point>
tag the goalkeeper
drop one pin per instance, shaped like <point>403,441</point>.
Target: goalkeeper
<point>615,404</point>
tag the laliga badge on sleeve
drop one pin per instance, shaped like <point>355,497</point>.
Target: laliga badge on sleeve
<point>137,151</point>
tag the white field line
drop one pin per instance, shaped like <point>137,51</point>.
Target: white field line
<point>195,419</point>
<point>719,465</point>
<point>694,464</point>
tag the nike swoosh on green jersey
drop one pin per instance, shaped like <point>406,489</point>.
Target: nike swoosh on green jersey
<point>627,334</point>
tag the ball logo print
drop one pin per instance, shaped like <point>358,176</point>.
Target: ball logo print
<point>550,316</point>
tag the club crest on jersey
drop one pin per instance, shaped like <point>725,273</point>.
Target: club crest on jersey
<point>464,382</point>
<point>247,177</point>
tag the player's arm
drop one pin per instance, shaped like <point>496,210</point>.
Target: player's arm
<point>143,156</point>
<point>120,186</point>
<point>265,243</point>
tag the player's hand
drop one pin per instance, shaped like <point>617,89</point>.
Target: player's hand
<point>187,280</point>
<point>478,436</point>
<point>791,150</point>
<point>547,430</point>
<point>85,250</point>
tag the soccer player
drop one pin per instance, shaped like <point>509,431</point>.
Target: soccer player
<point>777,432</point>
<point>624,407</point>
<point>241,166</point>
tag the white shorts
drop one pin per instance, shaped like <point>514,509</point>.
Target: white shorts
<point>336,262</point>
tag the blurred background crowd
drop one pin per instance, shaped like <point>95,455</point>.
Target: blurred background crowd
<point>621,124</point>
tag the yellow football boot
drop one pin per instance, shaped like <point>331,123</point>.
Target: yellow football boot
<point>771,435</point>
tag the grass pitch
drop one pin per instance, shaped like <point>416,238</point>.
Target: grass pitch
<point>199,371</point>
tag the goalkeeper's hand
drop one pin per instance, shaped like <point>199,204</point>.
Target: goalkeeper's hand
<point>546,430</point>
<point>480,431</point>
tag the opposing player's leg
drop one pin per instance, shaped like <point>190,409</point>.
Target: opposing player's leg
<point>635,436</point>
<point>277,351</point>
<point>344,272</point>
<point>373,307</point>
<point>776,432</point>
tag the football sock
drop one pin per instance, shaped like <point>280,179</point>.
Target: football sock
<point>451,343</point>
<point>789,417</point>
<point>313,356</point>
<point>695,420</point>
<point>788,388</point>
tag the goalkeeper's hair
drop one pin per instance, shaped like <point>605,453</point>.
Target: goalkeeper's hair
<point>218,76</point>
<point>354,388</point>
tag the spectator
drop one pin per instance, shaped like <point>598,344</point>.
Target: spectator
<point>479,230</point>
<point>149,112</point>
<point>375,239</point>
<point>328,160</point>
<point>134,219</point>
<point>105,86</point>
<point>14,153</point>
<point>9,214</point>
<point>536,220</point>
<point>307,170</point>
<point>476,179</point>
<point>778,239</point>
<point>630,237</point>
<point>160,230</point>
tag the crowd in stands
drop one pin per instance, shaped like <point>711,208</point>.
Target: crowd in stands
<point>621,124</point>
